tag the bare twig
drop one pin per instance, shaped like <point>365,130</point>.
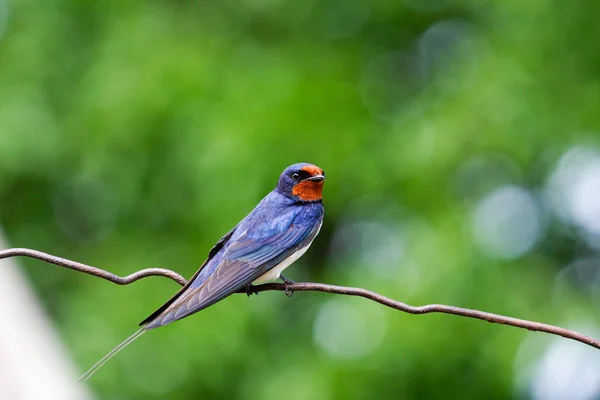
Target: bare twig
<point>100,273</point>
<point>317,287</point>
<point>432,308</point>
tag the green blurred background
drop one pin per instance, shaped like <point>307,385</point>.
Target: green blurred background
<point>461,145</point>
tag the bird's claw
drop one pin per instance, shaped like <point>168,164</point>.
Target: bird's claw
<point>288,292</point>
<point>250,290</point>
<point>287,282</point>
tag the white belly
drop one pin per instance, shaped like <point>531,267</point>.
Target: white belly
<point>276,271</point>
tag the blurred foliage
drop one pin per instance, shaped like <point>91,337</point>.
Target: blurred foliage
<point>135,133</point>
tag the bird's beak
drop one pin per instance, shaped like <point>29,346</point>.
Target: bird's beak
<point>317,178</point>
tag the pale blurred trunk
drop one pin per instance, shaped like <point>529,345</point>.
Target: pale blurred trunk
<point>34,364</point>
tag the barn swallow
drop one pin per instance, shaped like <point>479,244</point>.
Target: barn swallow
<point>274,235</point>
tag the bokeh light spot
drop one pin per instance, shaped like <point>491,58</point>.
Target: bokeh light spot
<point>567,370</point>
<point>389,80</point>
<point>482,173</point>
<point>507,223</point>
<point>441,41</point>
<point>573,191</point>
<point>378,245</point>
<point>346,330</point>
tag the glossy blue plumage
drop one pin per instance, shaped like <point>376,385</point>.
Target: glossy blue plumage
<point>272,236</point>
<point>280,225</point>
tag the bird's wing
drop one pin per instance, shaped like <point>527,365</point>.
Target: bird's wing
<point>245,259</point>
<point>218,246</point>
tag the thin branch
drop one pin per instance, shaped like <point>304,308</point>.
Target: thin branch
<point>431,308</point>
<point>316,287</point>
<point>86,269</point>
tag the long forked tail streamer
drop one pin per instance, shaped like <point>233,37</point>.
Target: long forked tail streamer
<point>110,355</point>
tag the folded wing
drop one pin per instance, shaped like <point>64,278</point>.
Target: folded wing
<point>246,257</point>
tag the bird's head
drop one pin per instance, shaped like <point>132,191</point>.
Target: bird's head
<point>302,182</point>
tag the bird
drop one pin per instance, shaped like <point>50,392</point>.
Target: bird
<point>277,232</point>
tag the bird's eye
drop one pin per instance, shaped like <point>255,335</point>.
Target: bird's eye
<point>295,176</point>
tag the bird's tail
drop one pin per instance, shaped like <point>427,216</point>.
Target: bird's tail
<point>110,355</point>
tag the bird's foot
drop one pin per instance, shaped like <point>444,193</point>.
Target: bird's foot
<point>287,282</point>
<point>250,290</point>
